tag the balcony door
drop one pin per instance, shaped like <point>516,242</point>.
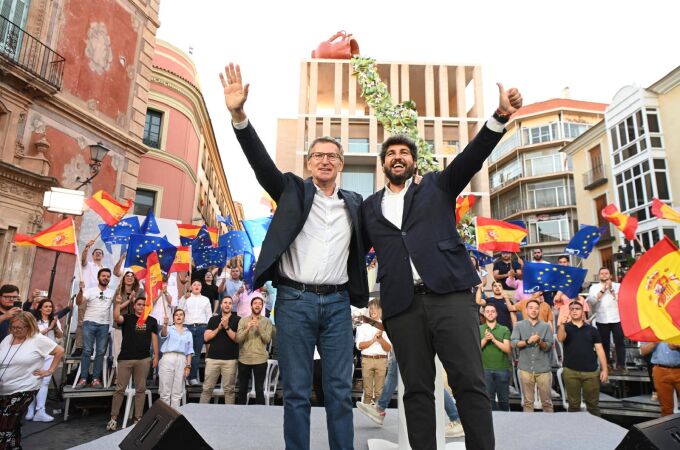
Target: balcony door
<point>14,14</point>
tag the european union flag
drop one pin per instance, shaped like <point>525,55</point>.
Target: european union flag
<point>149,226</point>
<point>249,263</point>
<point>482,258</point>
<point>209,256</point>
<point>140,247</point>
<point>550,277</point>
<point>119,233</point>
<point>236,242</point>
<point>202,239</point>
<point>370,256</point>
<point>583,241</point>
<point>257,229</point>
<point>523,225</point>
<point>226,220</point>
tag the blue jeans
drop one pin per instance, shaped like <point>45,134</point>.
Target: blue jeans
<point>305,319</point>
<point>94,335</point>
<point>450,407</point>
<point>390,385</point>
<point>197,334</point>
<point>498,383</point>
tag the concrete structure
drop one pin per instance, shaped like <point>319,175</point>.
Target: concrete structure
<point>181,176</point>
<point>74,73</point>
<point>639,143</point>
<point>530,180</point>
<point>450,112</point>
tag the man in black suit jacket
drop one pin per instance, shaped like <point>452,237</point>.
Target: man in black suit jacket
<point>313,252</point>
<point>427,281</point>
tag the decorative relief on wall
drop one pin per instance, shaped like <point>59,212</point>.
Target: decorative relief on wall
<point>92,104</point>
<point>117,161</point>
<point>10,188</point>
<point>74,168</point>
<point>82,142</point>
<point>98,48</point>
<point>37,124</point>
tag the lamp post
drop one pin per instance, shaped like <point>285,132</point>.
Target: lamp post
<point>97,154</point>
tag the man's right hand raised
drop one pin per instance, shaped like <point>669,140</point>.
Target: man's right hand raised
<point>235,93</point>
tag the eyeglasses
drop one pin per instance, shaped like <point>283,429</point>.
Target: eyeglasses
<point>101,296</point>
<point>332,157</point>
<point>11,297</point>
<point>17,327</point>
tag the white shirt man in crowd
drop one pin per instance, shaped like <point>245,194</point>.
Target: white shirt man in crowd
<point>96,324</point>
<point>375,347</point>
<point>197,314</point>
<point>90,278</point>
<point>603,297</point>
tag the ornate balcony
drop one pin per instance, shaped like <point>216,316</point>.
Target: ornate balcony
<point>595,177</point>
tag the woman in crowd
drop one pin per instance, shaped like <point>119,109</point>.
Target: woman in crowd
<point>177,346</point>
<point>210,290</point>
<point>22,355</point>
<point>128,289</point>
<point>49,326</point>
<point>480,271</point>
<point>198,312</point>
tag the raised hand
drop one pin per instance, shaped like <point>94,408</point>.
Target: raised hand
<point>508,101</point>
<point>235,93</point>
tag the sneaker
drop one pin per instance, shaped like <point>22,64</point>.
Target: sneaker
<point>554,394</point>
<point>194,382</point>
<point>655,398</point>
<point>97,384</point>
<point>371,412</point>
<point>42,416</point>
<point>77,353</point>
<point>81,384</point>
<point>30,413</point>
<point>112,425</point>
<point>454,429</point>
<point>513,390</point>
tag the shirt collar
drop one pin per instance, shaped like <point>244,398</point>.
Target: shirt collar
<point>407,184</point>
<point>320,192</point>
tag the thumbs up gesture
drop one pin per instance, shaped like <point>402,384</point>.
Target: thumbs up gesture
<point>508,101</point>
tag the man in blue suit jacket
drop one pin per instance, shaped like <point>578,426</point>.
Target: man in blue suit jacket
<point>313,252</point>
<point>427,281</point>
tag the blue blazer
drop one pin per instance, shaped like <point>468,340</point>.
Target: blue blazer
<point>294,197</point>
<point>428,232</point>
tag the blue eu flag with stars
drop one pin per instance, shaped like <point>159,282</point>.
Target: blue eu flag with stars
<point>202,240</point>
<point>150,226</point>
<point>584,240</point>
<point>226,220</point>
<point>141,245</point>
<point>119,233</point>
<point>236,242</point>
<point>257,229</point>
<point>482,258</point>
<point>550,277</point>
<point>209,256</point>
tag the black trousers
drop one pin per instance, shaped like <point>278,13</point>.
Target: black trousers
<point>448,326</point>
<point>244,370</point>
<point>615,329</point>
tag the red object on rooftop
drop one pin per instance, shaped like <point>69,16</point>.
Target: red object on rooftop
<point>334,48</point>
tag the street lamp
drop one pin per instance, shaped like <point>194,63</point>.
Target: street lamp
<point>97,154</point>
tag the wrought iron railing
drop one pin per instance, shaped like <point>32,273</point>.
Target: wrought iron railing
<point>594,177</point>
<point>30,53</point>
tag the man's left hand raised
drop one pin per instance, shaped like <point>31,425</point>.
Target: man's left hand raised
<point>508,101</point>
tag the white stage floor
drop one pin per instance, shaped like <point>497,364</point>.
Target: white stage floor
<point>261,428</point>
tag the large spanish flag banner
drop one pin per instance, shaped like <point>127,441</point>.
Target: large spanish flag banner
<point>649,297</point>
<point>499,236</point>
<point>463,204</point>
<point>187,232</point>
<point>108,207</point>
<point>60,237</point>
<point>182,262</point>
<point>626,224</point>
<point>153,286</point>
<point>663,211</point>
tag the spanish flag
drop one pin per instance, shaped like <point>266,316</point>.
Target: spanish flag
<point>214,237</point>
<point>464,204</point>
<point>663,211</point>
<point>187,233</point>
<point>60,237</point>
<point>497,235</point>
<point>627,224</point>
<point>182,262</point>
<point>153,286</point>
<point>649,297</point>
<point>107,207</point>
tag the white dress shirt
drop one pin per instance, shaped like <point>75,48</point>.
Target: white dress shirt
<point>607,308</point>
<point>366,332</point>
<point>196,309</point>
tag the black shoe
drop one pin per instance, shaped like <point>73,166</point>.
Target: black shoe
<point>77,353</point>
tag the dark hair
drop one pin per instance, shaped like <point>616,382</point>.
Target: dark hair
<point>537,248</point>
<point>491,305</point>
<point>121,286</point>
<point>257,297</point>
<point>40,305</point>
<point>399,139</point>
<point>563,257</point>
<point>178,310</point>
<point>476,264</point>
<point>105,269</point>
<point>227,296</point>
<point>604,268</point>
<point>325,140</point>
<point>533,300</point>
<point>8,289</point>
<point>576,302</point>
<point>139,297</point>
<point>97,250</point>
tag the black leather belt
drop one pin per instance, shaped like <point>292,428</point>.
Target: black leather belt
<point>667,367</point>
<point>421,288</point>
<point>318,289</point>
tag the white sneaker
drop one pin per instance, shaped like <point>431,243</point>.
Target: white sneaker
<point>31,411</point>
<point>554,394</point>
<point>454,429</point>
<point>195,382</point>
<point>42,416</point>
<point>513,390</point>
<point>371,412</point>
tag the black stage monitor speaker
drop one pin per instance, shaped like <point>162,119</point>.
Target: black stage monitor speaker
<point>163,428</point>
<point>657,434</point>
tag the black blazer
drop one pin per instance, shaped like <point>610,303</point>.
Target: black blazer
<point>428,232</point>
<point>294,197</point>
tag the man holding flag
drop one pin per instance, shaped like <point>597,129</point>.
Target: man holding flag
<point>603,297</point>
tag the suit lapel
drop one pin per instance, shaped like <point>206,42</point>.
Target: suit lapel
<point>352,207</point>
<point>408,200</point>
<point>308,199</point>
<point>376,203</point>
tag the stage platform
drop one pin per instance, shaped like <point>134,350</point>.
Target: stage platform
<point>260,428</point>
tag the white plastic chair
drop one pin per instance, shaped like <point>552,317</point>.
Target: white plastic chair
<point>129,396</point>
<point>106,378</point>
<point>271,381</point>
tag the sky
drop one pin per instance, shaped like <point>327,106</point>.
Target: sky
<point>593,47</point>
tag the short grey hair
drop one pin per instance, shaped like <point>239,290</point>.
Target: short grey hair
<point>325,139</point>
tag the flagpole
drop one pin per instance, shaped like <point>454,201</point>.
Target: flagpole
<point>642,246</point>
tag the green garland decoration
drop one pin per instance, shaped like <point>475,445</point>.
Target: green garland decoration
<point>466,229</point>
<point>396,119</point>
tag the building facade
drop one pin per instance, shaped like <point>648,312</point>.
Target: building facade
<point>74,73</point>
<point>531,181</point>
<point>639,144</point>
<point>181,176</point>
<point>450,112</point>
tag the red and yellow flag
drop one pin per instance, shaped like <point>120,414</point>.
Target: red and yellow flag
<point>663,211</point>
<point>107,207</point>
<point>182,262</point>
<point>649,297</point>
<point>464,204</point>
<point>187,232</point>
<point>214,236</point>
<point>60,237</point>
<point>626,224</point>
<point>153,285</point>
<point>497,235</point>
